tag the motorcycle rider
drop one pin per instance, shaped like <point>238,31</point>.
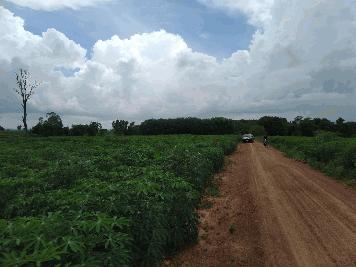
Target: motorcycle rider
<point>265,140</point>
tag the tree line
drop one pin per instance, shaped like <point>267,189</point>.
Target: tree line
<point>299,126</point>
<point>188,126</point>
<point>270,125</point>
<point>267,125</point>
<point>53,126</point>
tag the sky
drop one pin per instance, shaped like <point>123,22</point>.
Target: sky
<point>98,60</point>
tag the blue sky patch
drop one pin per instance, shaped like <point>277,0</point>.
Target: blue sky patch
<point>205,30</point>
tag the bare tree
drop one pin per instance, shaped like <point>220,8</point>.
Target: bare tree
<point>25,90</point>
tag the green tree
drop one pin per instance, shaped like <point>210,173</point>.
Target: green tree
<point>257,130</point>
<point>340,121</point>
<point>133,129</point>
<point>307,127</point>
<point>120,126</point>
<point>79,130</point>
<point>188,125</point>
<point>54,120</point>
<point>347,129</point>
<point>94,128</point>
<point>324,124</point>
<point>274,125</point>
<point>51,127</point>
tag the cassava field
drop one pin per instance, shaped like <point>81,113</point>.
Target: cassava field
<point>99,201</point>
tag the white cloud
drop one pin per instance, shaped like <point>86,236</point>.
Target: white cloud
<point>258,11</point>
<point>51,5</point>
<point>301,61</point>
<point>52,48</point>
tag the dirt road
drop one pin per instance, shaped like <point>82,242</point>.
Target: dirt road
<point>274,211</point>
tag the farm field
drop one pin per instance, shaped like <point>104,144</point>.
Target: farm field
<point>104,200</point>
<point>333,155</point>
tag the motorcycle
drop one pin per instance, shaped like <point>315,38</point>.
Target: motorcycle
<point>265,142</point>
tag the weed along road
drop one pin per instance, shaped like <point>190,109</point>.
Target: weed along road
<point>274,211</point>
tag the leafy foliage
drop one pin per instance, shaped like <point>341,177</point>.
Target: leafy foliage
<point>120,126</point>
<point>274,125</point>
<point>51,127</point>
<point>298,127</point>
<point>91,129</point>
<point>59,196</point>
<point>188,126</point>
<point>59,239</point>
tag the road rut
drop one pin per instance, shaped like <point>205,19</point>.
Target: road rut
<point>274,211</point>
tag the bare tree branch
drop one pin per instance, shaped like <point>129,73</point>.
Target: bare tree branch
<point>25,89</point>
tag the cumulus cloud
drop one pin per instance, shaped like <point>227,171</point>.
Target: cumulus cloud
<point>258,11</point>
<point>147,75</point>
<point>51,5</point>
<point>301,60</point>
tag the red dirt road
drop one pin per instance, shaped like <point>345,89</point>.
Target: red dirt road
<point>274,211</point>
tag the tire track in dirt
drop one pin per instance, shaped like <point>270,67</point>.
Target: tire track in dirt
<point>284,212</point>
<point>234,208</point>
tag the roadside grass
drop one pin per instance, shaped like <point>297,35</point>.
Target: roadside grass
<point>333,155</point>
<point>205,204</point>
<point>213,190</point>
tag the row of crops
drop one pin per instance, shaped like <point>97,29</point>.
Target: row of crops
<point>102,201</point>
<point>333,155</point>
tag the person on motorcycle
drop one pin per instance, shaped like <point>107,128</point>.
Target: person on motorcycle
<point>265,140</point>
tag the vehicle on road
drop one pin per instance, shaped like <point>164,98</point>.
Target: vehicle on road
<point>265,141</point>
<point>248,138</point>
